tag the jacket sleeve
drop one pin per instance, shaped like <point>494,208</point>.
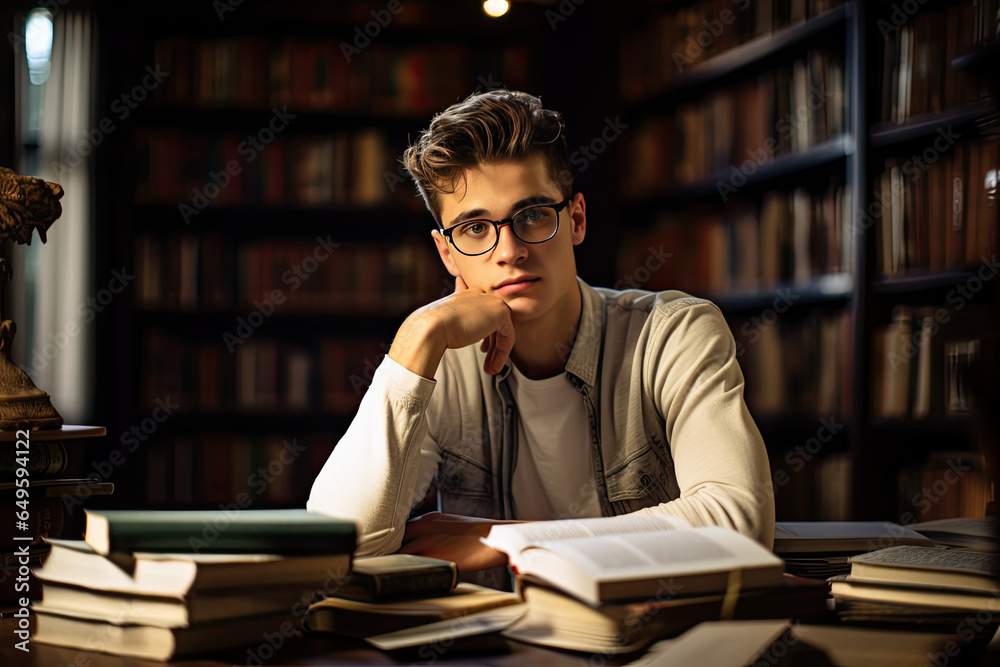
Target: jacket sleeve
<point>719,457</point>
<point>385,462</point>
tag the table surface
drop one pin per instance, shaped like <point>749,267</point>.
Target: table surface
<point>314,650</point>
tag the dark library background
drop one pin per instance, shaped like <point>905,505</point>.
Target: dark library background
<point>759,154</point>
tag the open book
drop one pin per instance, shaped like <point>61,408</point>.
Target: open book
<point>635,557</point>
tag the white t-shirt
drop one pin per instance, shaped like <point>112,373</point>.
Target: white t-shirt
<point>554,474</point>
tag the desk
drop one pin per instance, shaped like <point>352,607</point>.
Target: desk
<point>312,650</point>
<point>835,648</point>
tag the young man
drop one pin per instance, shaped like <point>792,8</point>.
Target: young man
<point>527,394</point>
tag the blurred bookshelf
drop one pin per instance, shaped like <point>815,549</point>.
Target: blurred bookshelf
<point>768,165</point>
<point>276,243</point>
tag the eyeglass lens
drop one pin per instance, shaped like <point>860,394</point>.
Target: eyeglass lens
<point>532,225</point>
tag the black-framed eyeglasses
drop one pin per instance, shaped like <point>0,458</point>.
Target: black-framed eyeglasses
<point>534,224</point>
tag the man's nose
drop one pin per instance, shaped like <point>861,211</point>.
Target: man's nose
<point>509,247</point>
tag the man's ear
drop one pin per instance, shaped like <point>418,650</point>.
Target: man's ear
<point>444,251</point>
<point>578,217</point>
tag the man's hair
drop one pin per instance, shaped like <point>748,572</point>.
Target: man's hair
<point>486,127</point>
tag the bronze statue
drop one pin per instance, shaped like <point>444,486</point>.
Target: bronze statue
<point>26,204</point>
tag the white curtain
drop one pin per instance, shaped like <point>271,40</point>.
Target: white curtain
<point>53,281</point>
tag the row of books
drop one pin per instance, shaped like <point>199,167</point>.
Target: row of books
<point>938,214</point>
<point>361,278</point>
<point>796,365</point>
<point>344,169</point>
<point>784,237</point>
<point>675,40</point>
<point>731,133</point>
<point>917,76</point>
<point>215,467</point>
<point>923,359</point>
<point>254,72</point>
<point>184,272</point>
<point>948,484</point>
<point>811,484</point>
<point>258,374</point>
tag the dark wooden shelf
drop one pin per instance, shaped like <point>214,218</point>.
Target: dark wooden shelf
<point>824,155</point>
<point>259,221</point>
<point>886,134</point>
<point>929,285</point>
<point>239,120</point>
<point>256,422</point>
<point>781,433</point>
<point>982,58</point>
<point>829,289</point>
<point>301,325</point>
<point>743,57</point>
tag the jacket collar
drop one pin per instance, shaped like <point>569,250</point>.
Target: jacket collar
<point>586,351</point>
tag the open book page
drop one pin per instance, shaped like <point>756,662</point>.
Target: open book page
<point>514,537</point>
<point>647,554</point>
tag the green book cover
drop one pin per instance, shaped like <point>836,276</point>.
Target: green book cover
<point>289,532</point>
<point>398,577</point>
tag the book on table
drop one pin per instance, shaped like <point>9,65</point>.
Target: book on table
<point>556,619</point>
<point>398,576</point>
<point>626,558</point>
<point>613,585</point>
<point>821,549</point>
<point>288,532</point>
<point>357,618</point>
<point>151,642</point>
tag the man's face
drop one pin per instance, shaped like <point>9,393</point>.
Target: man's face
<point>532,279</point>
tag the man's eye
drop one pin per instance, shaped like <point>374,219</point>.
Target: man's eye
<point>473,229</point>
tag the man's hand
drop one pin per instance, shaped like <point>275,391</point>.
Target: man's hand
<point>455,321</point>
<point>453,537</point>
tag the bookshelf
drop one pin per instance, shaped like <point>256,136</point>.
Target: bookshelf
<point>276,245</point>
<point>772,221</point>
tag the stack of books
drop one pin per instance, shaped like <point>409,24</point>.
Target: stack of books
<point>919,585</point>
<point>403,601</point>
<point>822,549</point>
<point>615,585</point>
<point>159,585</point>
